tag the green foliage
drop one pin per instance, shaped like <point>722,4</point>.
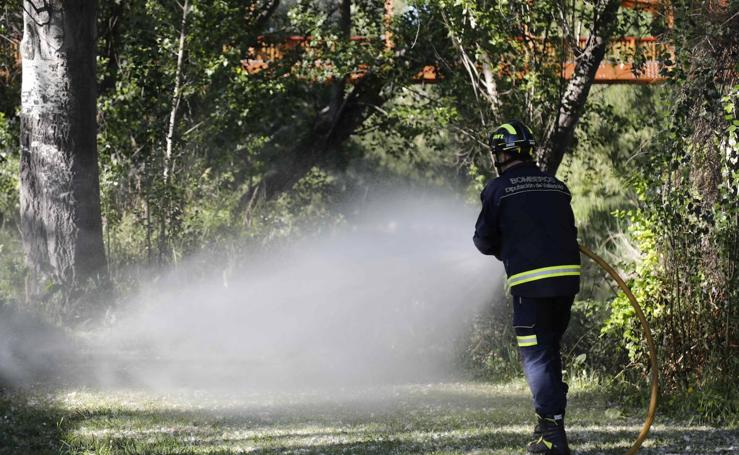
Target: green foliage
<point>481,35</point>
<point>410,142</point>
<point>686,224</point>
<point>491,352</point>
<point>164,219</point>
<point>11,26</point>
<point>520,48</point>
<point>645,286</point>
<point>8,174</point>
<point>308,209</point>
<point>12,267</point>
<point>229,137</point>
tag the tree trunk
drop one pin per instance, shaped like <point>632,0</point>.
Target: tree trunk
<point>168,162</point>
<point>560,134</point>
<point>60,190</point>
<point>176,94</point>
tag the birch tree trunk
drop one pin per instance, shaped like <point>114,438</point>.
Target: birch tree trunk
<point>176,93</point>
<point>60,190</point>
<point>167,166</point>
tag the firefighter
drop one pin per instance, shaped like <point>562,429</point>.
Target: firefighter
<point>526,221</point>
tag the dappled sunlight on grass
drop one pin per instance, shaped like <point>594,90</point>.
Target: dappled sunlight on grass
<point>450,418</point>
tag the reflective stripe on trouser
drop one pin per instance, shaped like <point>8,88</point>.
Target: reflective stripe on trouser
<point>528,340</point>
<point>544,272</point>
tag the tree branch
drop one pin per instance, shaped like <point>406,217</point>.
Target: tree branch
<point>560,134</point>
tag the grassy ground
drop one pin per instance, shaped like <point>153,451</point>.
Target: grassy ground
<point>449,418</point>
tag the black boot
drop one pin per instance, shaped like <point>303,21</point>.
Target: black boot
<point>550,437</point>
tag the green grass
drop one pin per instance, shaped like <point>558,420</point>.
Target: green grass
<point>448,418</point>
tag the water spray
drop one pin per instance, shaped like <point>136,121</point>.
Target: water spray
<point>650,344</point>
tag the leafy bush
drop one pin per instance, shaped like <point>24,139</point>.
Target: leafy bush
<point>686,225</point>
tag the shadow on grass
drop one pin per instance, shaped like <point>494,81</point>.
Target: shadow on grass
<point>609,443</point>
<point>448,419</point>
<point>28,428</point>
<point>490,441</point>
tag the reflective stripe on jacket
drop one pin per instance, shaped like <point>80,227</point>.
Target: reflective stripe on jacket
<point>527,222</point>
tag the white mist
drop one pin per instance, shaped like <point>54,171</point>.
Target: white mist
<point>385,299</point>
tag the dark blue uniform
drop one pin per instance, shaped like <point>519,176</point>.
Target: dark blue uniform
<point>527,222</point>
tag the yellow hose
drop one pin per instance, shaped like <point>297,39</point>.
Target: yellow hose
<point>650,343</point>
